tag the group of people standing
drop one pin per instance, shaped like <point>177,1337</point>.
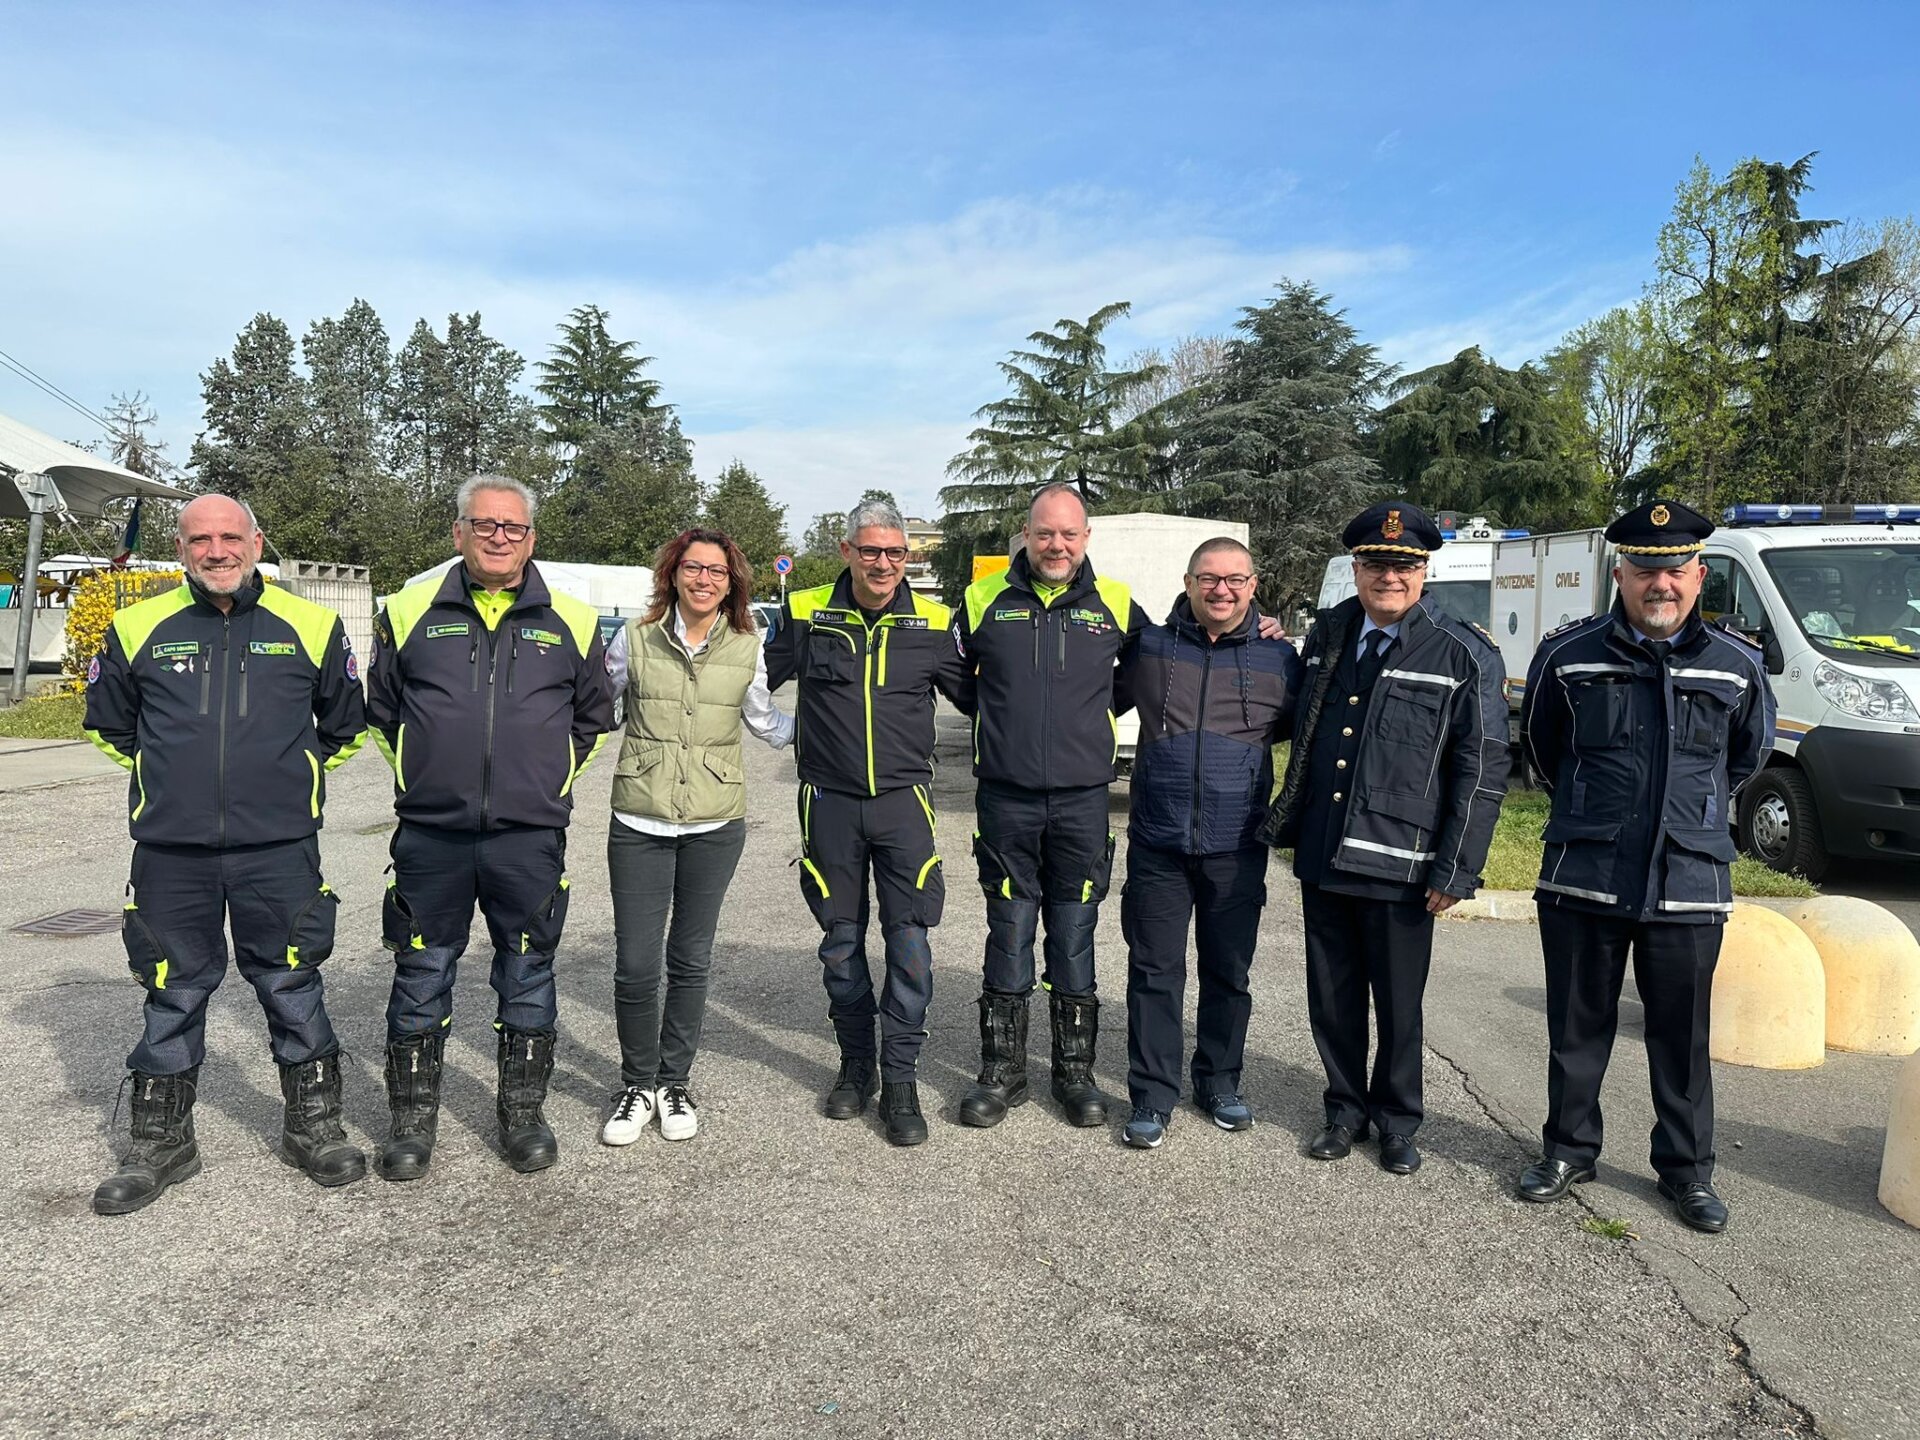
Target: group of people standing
<point>488,694</point>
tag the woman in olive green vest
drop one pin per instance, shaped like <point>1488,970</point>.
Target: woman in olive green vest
<point>692,674</point>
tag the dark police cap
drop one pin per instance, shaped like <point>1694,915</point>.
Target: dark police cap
<point>1660,535</point>
<point>1393,527</point>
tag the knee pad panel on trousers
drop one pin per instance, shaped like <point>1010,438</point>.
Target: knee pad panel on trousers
<point>1011,928</point>
<point>1069,947</point>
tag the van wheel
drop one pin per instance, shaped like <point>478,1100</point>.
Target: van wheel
<point>1780,827</point>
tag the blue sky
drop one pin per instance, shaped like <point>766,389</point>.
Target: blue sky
<point>828,222</point>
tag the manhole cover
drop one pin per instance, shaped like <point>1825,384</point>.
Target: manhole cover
<point>72,922</point>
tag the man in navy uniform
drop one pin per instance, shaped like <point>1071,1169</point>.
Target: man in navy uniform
<point>1644,723</point>
<point>1398,769</point>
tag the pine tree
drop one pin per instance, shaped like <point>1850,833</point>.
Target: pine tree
<point>594,382</point>
<point>740,505</point>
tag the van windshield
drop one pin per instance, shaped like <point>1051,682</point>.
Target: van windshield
<point>1468,600</point>
<point>1863,593</point>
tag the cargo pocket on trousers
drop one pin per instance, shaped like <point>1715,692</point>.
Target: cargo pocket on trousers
<point>397,930</point>
<point>929,894</point>
<point>146,957</point>
<point>310,937</point>
<point>1094,889</point>
<point>541,934</point>
<point>815,891</point>
<point>996,879</point>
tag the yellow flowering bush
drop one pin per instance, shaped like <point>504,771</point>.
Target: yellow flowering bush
<point>91,605</point>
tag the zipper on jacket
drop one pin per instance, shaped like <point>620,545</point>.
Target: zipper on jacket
<point>486,763</point>
<point>1199,731</point>
<point>243,687</point>
<point>513,654</point>
<point>226,636</point>
<point>473,660</point>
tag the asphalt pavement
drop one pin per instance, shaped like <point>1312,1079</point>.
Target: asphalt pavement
<point>785,1275</point>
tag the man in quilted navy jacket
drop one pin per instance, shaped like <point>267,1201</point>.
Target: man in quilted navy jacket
<point>1213,698</point>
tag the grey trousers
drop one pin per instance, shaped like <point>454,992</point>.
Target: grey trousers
<point>667,892</point>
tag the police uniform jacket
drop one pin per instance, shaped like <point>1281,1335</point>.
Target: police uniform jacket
<point>864,717</point>
<point>1045,671</point>
<point>228,722</point>
<point>1644,757</point>
<point>485,724</point>
<point>1210,713</point>
<point>1426,766</point>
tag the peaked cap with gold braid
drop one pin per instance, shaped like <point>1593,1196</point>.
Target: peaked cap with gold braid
<point>1660,535</point>
<point>1393,527</point>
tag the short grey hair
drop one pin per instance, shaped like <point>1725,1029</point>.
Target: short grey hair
<point>873,515</point>
<point>180,520</point>
<point>464,499</point>
<point>1058,487</point>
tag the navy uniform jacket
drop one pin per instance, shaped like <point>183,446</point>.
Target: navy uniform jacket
<point>864,717</point>
<point>487,718</point>
<point>1045,671</point>
<point>228,723</point>
<point>1644,758</point>
<point>1210,714</point>
<point>1426,765</point>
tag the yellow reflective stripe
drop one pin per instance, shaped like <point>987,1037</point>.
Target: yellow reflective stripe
<point>1113,724</point>
<point>160,975</point>
<point>921,883</point>
<point>347,751</point>
<point>920,794</point>
<point>976,737</point>
<point>818,878</point>
<point>313,763</point>
<point>573,767</point>
<point>140,781</point>
<point>399,756</point>
<point>806,813</point>
<point>109,749</point>
<point>293,958</point>
<point>1006,886</point>
<point>866,696</point>
<point>885,631</point>
<point>1086,891</point>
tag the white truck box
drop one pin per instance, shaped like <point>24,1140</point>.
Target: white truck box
<point>1539,584</point>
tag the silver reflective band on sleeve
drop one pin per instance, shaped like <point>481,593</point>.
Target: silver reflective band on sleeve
<point>1726,675</point>
<point>1392,850</point>
<point>1313,660</point>
<point>1595,668</point>
<point>1575,890</point>
<point>1723,907</point>
<point>1421,677</point>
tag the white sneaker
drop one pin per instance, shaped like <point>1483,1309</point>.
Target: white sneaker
<point>632,1109</point>
<point>679,1120</point>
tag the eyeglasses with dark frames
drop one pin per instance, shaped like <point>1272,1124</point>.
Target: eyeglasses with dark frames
<point>894,554</point>
<point>487,529</point>
<point>1235,583</point>
<point>693,570</point>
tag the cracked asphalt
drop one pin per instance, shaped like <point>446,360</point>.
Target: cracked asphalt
<point>783,1274</point>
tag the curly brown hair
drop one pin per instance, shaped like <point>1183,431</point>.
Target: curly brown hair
<point>666,565</point>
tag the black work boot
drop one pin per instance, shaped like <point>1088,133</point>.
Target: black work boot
<point>900,1109</point>
<point>526,1060</point>
<point>311,1137</point>
<point>1003,1061</point>
<point>853,1089</point>
<point>163,1151</point>
<point>413,1094</point>
<point>1076,1027</point>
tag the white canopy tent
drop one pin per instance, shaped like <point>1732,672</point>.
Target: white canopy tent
<point>40,475</point>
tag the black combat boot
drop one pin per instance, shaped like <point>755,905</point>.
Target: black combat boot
<point>311,1137</point>
<point>163,1151</point>
<point>1076,1026</point>
<point>900,1110</point>
<point>853,1089</point>
<point>526,1060</point>
<point>413,1094</point>
<point>1003,1061</point>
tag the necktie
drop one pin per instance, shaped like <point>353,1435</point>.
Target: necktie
<point>1373,652</point>
<point>1660,649</point>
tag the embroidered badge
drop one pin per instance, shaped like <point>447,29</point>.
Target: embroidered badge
<point>1391,528</point>
<point>271,647</point>
<point>175,649</point>
<point>353,662</point>
<point>434,632</point>
<point>1659,515</point>
<point>1013,614</point>
<point>93,670</point>
<point>539,637</point>
<point>908,622</point>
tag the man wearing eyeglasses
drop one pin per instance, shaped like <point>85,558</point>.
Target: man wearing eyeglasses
<point>488,695</point>
<point>869,654</point>
<point>1398,768</point>
<point>1213,697</point>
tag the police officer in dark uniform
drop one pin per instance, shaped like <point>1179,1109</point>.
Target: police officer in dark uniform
<point>228,700</point>
<point>1398,768</point>
<point>489,695</point>
<point>869,654</point>
<point>1644,722</point>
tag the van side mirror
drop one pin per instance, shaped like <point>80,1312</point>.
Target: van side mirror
<point>1755,634</point>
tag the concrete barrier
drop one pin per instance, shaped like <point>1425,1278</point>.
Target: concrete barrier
<point>1873,973</point>
<point>1769,994</point>
<point>1900,1161</point>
